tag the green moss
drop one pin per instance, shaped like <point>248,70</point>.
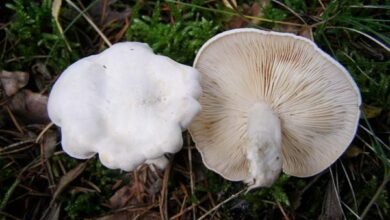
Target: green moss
<point>179,39</point>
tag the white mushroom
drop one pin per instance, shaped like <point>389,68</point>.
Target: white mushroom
<point>272,102</point>
<point>126,104</point>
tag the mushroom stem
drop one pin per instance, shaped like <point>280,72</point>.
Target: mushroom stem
<point>264,151</point>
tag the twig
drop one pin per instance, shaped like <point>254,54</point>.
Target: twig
<point>222,203</point>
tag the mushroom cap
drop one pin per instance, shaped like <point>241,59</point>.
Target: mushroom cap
<point>314,97</point>
<point>127,104</point>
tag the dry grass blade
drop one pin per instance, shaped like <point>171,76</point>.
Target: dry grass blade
<point>364,34</point>
<point>93,25</point>
<point>375,137</point>
<point>43,132</point>
<point>55,12</point>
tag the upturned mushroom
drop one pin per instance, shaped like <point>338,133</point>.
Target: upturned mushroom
<point>272,102</point>
<point>127,104</point>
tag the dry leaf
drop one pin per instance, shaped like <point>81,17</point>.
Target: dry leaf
<point>304,31</point>
<point>254,10</point>
<point>54,213</point>
<point>41,69</point>
<point>104,15</point>
<point>13,81</point>
<point>121,197</point>
<point>371,111</point>
<point>30,106</point>
<point>42,76</point>
<point>68,178</point>
<point>62,184</point>
<point>353,151</point>
<point>331,208</point>
<point>49,143</point>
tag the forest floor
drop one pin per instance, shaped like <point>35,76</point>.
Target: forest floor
<point>39,39</point>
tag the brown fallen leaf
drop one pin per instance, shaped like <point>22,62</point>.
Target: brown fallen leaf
<point>304,31</point>
<point>62,184</point>
<point>331,207</point>
<point>30,107</point>
<point>68,178</point>
<point>49,143</point>
<point>254,10</point>
<point>42,76</point>
<point>371,111</point>
<point>13,81</point>
<point>121,197</point>
<point>54,214</point>
<point>353,151</point>
<point>105,15</point>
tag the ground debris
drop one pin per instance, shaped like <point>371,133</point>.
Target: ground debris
<point>126,215</point>
<point>68,178</point>
<point>30,107</point>
<point>11,82</point>
<point>331,208</point>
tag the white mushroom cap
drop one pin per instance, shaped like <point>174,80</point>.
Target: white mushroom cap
<point>126,104</point>
<point>268,94</point>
